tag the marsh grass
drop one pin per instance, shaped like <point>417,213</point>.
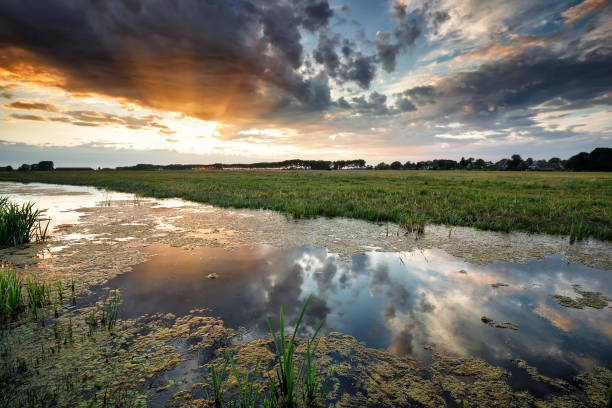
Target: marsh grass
<point>248,391</point>
<point>492,200</point>
<point>11,298</point>
<point>38,295</point>
<point>20,224</point>
<point>218,380</point>
<point>312,389</point>
<point>110,310</point>
<point>282,386</point>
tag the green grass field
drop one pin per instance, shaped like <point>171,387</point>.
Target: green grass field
<point>575,204</point>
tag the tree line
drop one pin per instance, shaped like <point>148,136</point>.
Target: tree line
<point>600,159</point>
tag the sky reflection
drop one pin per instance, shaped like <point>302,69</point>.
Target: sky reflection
<point>402,302</point>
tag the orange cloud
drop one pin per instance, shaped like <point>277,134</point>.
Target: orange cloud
<point>582,10</point>
<point>21,105</point>
<point>493,51</point>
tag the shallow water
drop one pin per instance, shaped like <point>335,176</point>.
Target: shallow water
<point>401,302</point>
<point>59,203</point>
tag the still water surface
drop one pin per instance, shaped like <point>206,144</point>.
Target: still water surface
<point>406,303</point>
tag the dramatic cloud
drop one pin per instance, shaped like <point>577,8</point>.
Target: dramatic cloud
<point>210,60</point>
<point>532,78</point>
<point>392,80</point>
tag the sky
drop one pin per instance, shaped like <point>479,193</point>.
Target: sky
<point>121,82</point>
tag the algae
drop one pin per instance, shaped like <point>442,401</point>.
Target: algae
<point>595,300</point>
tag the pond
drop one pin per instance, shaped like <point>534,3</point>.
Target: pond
<point>522,304</point>
<point>407,302</point>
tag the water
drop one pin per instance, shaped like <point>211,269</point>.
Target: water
<point>59,203</point>
<point>406,303</point>
<point>411,303</point>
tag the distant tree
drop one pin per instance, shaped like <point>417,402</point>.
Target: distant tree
<point>443,164</point>
<point>463,163</point>
<point>396,165</point>
<point>578,162</point>
<point>479,163</point>
<point>515,162</point>
<point>382,166</point>
<point>6,168</point>
<point>46,165</point>
<point>25,167</point>
<point>600,159</point>
<point>409,165</point>
<point>555,160</point>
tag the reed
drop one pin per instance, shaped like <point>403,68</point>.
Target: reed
<point>218,379</point>
<point>110,310</point>
<point>311,386</point>
<point>38,295</point>
<point>248,392</point>
<point>281,388</point>
<point>20,224</point>
<point>11,298</point>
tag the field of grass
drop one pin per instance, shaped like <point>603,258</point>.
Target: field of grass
<point>575,204</point>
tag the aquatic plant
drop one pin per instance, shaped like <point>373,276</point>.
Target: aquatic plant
<point>20,224</point>
<point>311,387</point>
<point>59,289</point>
<point>110,310</point>
<point>248,392</point>
<point>38,294</point>
<point>91,322</point>
<point>281,388</point>
<point>218,379</point>
<point>11,299</point>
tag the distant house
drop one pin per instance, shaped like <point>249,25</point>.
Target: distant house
<point>545,165</point>
<point>502,164</point>
<point>204,168</point>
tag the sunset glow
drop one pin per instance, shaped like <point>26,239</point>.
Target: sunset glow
<point>126,82</point>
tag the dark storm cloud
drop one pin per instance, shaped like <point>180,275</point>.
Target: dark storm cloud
<point>375,104</point>
<point>207,59</point>
<point>421,95</point>
<point>316,15</point>
<point>405,105</point>
<point>325,53</point>
<point>438,18</point>
<point>405,32</point>
<point>360,69</point>
<point>537,76</point>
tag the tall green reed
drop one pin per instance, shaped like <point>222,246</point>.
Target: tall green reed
<point>20,224</point>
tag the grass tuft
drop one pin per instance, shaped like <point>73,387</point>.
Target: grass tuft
<point>248,392</point>
<point>11,299</point>
<point>20,224</point>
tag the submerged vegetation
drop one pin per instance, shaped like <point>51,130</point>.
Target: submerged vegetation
<point>20,224</point>
<point>575,204</point>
